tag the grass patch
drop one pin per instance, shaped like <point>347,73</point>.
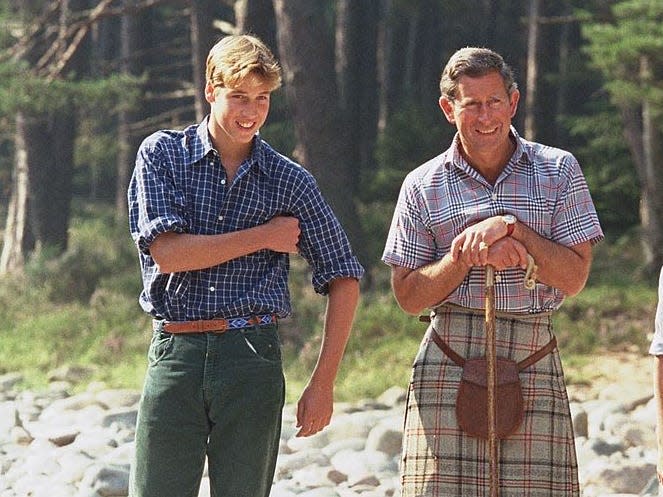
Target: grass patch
<point>81,309</point>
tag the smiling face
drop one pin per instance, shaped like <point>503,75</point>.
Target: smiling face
<point>237,114</point>
<point>482,111</point>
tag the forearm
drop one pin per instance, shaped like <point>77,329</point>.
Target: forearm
<point>564,268</point>
<point>176,252</point>
<point>658,396</point>
<point>425,287</point>
<point>341,306</point>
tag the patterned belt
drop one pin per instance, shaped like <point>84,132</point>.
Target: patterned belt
<point>214,325</point>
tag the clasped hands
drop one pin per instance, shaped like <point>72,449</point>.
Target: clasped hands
<point>486,243</point>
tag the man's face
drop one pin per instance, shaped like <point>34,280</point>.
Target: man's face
<point>482,112</point>
<point>238,113</point>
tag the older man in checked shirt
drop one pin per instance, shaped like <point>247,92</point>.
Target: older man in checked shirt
<point>214,212</point>
<point>491,198</point>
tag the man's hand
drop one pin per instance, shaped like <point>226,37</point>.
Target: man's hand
<point>283,234</point>
<point>472,246</point>
<point>507,252</point>
<point>314,409</point>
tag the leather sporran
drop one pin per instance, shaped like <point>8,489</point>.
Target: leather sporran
<point>472,398</point>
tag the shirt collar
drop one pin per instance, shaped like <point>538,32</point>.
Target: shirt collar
<point>522,154</point>
<point>198,143</point>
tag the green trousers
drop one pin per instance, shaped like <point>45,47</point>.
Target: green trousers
<point>214,397</point>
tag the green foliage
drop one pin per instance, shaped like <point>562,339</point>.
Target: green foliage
<point>607,165</point>
<point>21,90</point>
<point>412,136</point>
<point>97,248</point>
<point>619,49</point>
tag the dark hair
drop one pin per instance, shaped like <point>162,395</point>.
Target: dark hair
<point>474,62</point>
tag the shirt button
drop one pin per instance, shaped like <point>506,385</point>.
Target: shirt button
<point>220,218</point>
<point>211,289</point>
<point>498,278</point>
<point>494,196</point>
<point>223,181</point>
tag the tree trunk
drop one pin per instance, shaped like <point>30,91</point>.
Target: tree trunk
<point>561,106</point>
<point>384,62</point>
<point>133,42</point>
<point>202,39</point>
<point>257,17</point>
<point>44,162</point>
<point>644,139</point>
<point>307,55</point>
<point>532,69</point>
<point>17,230</point>
<point>49,141</point>
<point>428,54</point>
<point>356,70</point>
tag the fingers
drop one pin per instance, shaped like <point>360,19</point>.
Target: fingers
<point>284,234</point>
<point>478,246</point>
<point>312,417</point>
<point>308,427</point>
<point>469,248</point>
<point>506,253</point>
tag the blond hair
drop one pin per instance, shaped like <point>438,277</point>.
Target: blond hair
<point>235,57</point>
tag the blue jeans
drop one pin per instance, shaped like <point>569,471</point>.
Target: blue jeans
<point>214,396</point>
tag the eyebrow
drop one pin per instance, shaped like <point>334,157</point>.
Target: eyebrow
<point>244,92</point>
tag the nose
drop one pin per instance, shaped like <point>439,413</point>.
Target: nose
<point>483,111</point>
<point>249,109</point>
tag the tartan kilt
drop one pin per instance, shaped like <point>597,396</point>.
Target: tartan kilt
<point>439,460</point>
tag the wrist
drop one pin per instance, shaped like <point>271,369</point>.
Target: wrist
<point>509,221</point>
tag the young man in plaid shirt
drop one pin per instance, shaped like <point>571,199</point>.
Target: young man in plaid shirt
<point>215,213</point>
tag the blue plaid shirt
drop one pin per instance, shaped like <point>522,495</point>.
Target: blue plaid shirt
<point>179,185</point>
<point>542,186</point>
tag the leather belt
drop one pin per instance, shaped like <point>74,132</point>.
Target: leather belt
<point>525,363</point>
<point>214,325</point>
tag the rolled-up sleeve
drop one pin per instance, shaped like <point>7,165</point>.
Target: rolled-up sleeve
<point>323,242</point>
<point>156,205</point>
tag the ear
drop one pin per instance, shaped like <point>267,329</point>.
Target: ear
<point>447,107</point>
<point>514,99</point>
<point>209,93</point>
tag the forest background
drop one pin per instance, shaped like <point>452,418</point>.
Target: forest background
<point>82,82</point>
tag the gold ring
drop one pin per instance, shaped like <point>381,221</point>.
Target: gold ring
<point>483,246</point>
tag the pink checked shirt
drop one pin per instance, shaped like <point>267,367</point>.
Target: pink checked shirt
<point>542,186</point>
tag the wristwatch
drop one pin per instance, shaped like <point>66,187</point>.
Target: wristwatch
<point>510,221</point>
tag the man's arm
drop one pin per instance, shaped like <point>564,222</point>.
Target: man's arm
<point>658,395</point>
<point>175,252</point>
<point>314,409</point>
<point>424,287</point>
<point>564,268</point>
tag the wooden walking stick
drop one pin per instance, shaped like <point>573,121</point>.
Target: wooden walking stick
<point>491,372</point>
<point>491,368</point>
